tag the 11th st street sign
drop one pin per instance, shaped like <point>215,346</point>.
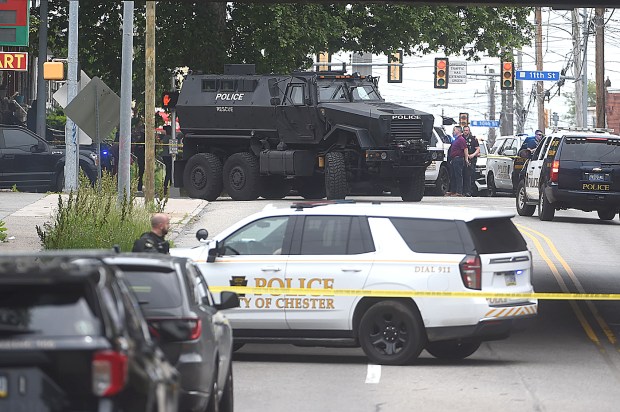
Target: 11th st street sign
<point>537,75</point>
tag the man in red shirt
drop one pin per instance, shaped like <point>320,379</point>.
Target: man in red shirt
<point>458,158</point>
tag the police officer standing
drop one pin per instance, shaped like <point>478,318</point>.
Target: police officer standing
<point>473,150</point>
<point>154,241</point>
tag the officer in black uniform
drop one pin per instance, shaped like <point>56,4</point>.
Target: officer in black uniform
<point>154,241</point>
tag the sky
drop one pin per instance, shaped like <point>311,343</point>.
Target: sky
<point>417,90</point>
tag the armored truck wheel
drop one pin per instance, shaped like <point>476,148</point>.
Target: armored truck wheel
<point>311,187</point>
<point>274,187</point>
<point>335,176</point>
<point>412,188</point>
<point>242,176</point>
<point>203,176</point>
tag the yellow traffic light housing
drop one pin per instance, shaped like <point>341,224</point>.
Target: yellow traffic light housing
<point>395,73</point>
<point>323,57</point>
<point>464,119</point>
<point>53,71</point>
<point>508,76</point>
<point>441,73</point>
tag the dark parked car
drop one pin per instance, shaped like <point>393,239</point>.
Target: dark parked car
<point>32,164</point>
<point>73,338</point>
<point>189,327</point>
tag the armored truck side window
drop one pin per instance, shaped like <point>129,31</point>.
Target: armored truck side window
<point>247,85</point>
<point>228,85</point>
<point>295,95</point>
<point>209,85</point>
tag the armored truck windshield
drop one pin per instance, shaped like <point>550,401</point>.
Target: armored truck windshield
<point>339,91</point>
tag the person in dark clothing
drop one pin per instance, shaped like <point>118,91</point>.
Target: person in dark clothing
<point>458,159</point>
<point>154,241</point>
<point>473,150</point>
<point>137,138</point>
<point>166,157</point>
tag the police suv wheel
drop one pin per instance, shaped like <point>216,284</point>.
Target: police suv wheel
<point>442,184</point>
<point>491,188</point>
<point>523,209</point>
<point>452,349</point>
<point>335,176</point>
<point>606,214</point>
<point>242,176</point>
<point>390,333</point>
<point>545,209</point>
<point>202,177</point>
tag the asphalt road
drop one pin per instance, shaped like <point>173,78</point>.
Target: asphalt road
<point>568,359</point>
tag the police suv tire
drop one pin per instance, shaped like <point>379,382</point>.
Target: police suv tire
<point>491,188</point>
<point>452,349</point>
<point>214,396</point>
<point>60,180</point>
<point>311,187</point>
<point>607,214</point>
<point>227,399</point>
<point>202,177</point>
<point>391,333</point>
<point>546,212</point>
<point>442,184</point>
<point>412,188</point>
<point>274,187</point>
<point>242,180</point>
<point>523,209</point>
<point>335,176</point>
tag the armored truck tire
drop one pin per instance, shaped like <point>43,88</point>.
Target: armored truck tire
<point>412,188</point>
<point>311,188</point>
<point>452,349</point>
<point>335,176</point>
<point>274,187</point>
<point>242,180</point>
<point>391,333</point>
<point>202,177</point>
<point>523,209</point>
<point>442,184</point>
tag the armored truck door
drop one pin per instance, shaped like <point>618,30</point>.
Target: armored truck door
<point>297,119</point>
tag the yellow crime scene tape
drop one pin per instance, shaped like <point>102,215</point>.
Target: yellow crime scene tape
<point>414,293</point>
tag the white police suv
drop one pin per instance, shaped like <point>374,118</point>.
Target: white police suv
<point>353,267</point>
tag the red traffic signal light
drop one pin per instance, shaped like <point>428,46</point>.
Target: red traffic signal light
<point>508,76</point>
<point>441,73</point>
<point>169,99</point>
<point>464,119</point>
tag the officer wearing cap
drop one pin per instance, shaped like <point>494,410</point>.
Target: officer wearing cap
<point>154,241</point>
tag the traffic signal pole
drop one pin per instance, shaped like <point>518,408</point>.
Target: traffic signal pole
<point>540,94</point>
<point>149,104</point>
<point>71,130</point>
<point>123,167</point>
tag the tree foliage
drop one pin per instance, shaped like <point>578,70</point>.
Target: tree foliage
<point>572,107</point>
<point>277,37</point>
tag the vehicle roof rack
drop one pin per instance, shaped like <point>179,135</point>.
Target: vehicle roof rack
<point>306,205</point>
<point>584,129</point>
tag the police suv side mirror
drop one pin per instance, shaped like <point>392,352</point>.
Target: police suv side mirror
<point>213,252</point>
<point>509,152</point>
<point>202,234</point>
<point>228,300</point>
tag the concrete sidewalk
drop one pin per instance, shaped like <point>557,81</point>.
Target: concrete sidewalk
<point>22,212</point>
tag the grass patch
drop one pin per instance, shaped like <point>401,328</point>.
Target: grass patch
<point>2,231</point>
<point>93,218</point>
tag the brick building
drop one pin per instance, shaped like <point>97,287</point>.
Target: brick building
<point>612,109</point>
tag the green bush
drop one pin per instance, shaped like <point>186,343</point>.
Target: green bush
<point>56,119</point>
<point>92,217</point>
<point>2,231</point>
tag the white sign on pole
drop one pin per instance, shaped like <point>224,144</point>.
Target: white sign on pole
<point>457,73</point>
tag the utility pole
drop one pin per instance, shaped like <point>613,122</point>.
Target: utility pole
<point>577,69</point>
<point>41,83</point>
<point>519,90</point>
<point>584,67</point>
<point>124,133</point>
<point>540,95</point>
<point>72,135</point>
<point>149,104</point>
<point>599,24</point>
<point>492,105</point>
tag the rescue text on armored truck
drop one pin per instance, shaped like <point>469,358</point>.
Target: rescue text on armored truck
<point>321,134</point>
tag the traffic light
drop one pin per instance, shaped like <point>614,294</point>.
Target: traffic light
<point>441,73</point>
<point>169,99</point>
<point>395,73</point>
<point>323,57</point>
<point>14,22</point>
<point>464,119</point>
<point>508,75</point>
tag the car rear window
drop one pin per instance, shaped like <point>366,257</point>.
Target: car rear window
<point>594,149</point>
<point>154,288</point>
<point>430,235</point>
<point>497,235</point>
<point>51,310</point>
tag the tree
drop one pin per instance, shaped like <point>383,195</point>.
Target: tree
<point>570,101</point>
<point>277,37</point>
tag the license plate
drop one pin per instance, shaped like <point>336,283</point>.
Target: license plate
<point>509,277</point>
<point>4,387</point>
<point>596,177</point>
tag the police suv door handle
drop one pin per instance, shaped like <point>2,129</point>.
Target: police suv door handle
<point>350,269</point>
<point>270,269</point>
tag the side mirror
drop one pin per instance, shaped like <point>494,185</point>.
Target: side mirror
<point>228,300</point>
<point>213,252</point>
<point>202,234</point>
<point>510,152</point>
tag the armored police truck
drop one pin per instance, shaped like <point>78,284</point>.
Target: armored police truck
<point>322,134</point>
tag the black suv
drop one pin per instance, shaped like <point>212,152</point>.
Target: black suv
<point>32,164</point>
<point>186,323</point>
<point>572,169</point>
<point>72,338</point>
